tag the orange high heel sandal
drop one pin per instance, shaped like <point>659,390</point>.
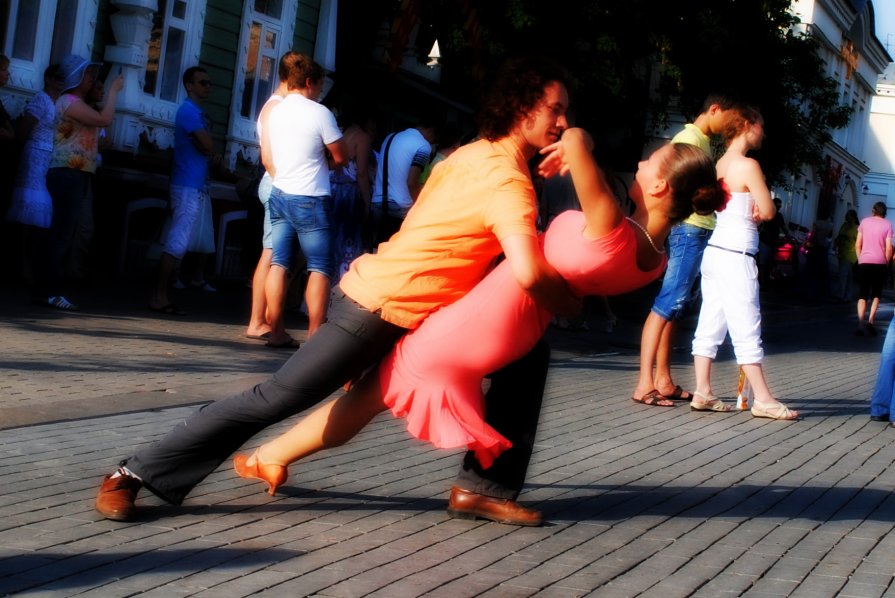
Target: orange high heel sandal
<point>272,475</point>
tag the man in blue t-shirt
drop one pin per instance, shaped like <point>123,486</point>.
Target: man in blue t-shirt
<point>192,148</point>
<point>407,154</point>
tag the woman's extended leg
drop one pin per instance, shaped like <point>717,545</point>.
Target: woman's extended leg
<point>328,426</point>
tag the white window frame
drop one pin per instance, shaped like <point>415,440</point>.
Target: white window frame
<point>268,26</point>
<point>26,76</point>
<point>241,137</point>
<point>195,13</point>
<point>158,113</point>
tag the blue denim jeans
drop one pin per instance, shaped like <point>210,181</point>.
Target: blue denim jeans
<point>882,401</point>
<point>686,243</point>
<point>304,219</point>
<point>264,189</point>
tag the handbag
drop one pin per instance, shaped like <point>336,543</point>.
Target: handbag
<point>388,224</point>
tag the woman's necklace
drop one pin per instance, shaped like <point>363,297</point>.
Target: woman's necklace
<point>648,237</point>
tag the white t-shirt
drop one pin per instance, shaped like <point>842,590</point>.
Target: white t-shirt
<point>408,148</point>
<point>299,129</point>
<point>272,99</point>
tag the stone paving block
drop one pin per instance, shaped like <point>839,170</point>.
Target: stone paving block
<point>623,473</point>
<point>164,591</point>
<point>372,579</point>
<point>875,572</point>
<point>309,584</point>
<point>855,589</point>
<point>540,575</point>
<point>592,577</point>
<point>648,572</point>
<point>819,586</point>
<point>484,590</point>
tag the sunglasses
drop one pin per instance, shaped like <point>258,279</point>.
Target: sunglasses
<point>204,83</point>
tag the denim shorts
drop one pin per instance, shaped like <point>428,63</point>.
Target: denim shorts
<point>685,246</point>
<point>186,204</point>
<point>305,220</point>
<point>264,189</point>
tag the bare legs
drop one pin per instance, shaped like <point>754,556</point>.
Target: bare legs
<point>275,290</point>
<point>655,348</point>
<point>862,307</point>
<point>317,297</point>
<point>159,297</point>
<point>330,425</point>
<point>663,382</point>
<point>258,319</point>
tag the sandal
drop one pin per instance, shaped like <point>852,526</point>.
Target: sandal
<point>289,343</point>
<point>778,411</point>
<point>654,399</point>
<point>170,309</point>
<point>703,402</point>
<point>678,394</point>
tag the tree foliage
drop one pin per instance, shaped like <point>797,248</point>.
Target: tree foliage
<point>633,61</point>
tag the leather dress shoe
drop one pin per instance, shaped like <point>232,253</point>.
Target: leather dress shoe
<point>470,505</point>
<point>879,418</point>
<point>116,497</point>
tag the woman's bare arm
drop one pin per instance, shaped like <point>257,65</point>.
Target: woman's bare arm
<point>599,204</point>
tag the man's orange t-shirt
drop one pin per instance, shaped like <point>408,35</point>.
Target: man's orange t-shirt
<point>480,195</point>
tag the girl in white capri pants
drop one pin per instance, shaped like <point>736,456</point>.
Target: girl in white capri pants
<point>730,275</point>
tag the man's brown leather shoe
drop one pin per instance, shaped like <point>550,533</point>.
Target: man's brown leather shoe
<point>469,505</point>
<point>116,497</point>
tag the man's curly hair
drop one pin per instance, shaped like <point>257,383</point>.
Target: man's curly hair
<point>516,91</point>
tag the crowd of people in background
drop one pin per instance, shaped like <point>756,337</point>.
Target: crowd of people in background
<point>51,203</point>
<point>380,239</point>
<point>49,206</point>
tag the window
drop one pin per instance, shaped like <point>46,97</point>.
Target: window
<point>268,27</point>
<point>261,58</point>
<point>34,33</point>
<point>25,36</point>
<point>167,49</point>
<point>64,30</point>
<point>61,22</point>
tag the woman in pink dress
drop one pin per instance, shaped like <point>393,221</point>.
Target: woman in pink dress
<point>433,377</point>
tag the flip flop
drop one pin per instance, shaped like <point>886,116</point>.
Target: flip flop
<point>703,402</point>
<point>259,337</point>
<point>169,310</point>
<point>778,411</point>
<point>678,394</point>
<point>654,399</point>
<point>290,344</point>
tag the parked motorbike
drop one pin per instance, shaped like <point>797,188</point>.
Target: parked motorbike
<point>789,254</point>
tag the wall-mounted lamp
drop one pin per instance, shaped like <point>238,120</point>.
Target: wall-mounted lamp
<point>847,178</point>
<point>865,189</point>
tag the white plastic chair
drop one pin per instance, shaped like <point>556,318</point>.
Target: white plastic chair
<point>220,246</point>
<point>136,205</point>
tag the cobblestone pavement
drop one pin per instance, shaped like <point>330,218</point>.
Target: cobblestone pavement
<point>640,500</point>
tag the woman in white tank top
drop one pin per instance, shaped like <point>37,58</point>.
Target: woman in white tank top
<point>730,275</point>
